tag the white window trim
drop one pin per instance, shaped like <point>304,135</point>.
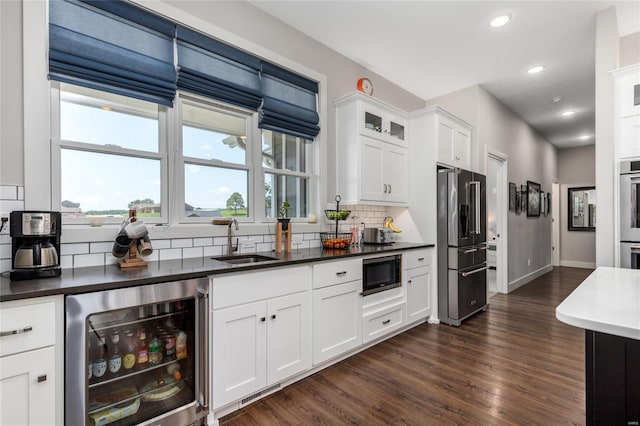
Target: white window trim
<point>37,129</point>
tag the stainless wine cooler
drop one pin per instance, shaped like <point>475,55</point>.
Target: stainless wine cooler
<point>138,355</point>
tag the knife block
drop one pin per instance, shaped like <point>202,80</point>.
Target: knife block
<point>280,233</point>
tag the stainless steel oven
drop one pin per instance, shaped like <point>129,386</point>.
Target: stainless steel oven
<point>630,255</point>
<point>630,201</point>
<point>380,273</point>
<point>138,355</point>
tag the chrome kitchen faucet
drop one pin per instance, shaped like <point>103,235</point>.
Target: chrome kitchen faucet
<point>230,247</point>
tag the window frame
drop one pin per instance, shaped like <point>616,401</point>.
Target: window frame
<point>180,160</point>
<point>58,144</point>
<point>36,102</point>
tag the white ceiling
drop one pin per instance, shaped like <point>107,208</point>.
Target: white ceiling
<point>432,48</point>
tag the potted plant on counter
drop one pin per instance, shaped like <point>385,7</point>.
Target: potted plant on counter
<point>282,215</point>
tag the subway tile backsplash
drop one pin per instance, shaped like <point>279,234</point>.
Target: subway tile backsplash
<point>98,253</point>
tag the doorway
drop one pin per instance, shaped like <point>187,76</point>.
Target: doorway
<point>555,224</point>
<point>497,218</point>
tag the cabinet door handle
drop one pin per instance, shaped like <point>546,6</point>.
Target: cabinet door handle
<point>389,188</point>
<point>385,322</point>
<point>273,316</point>
<point>16,331</point>
<point>263,319</point>
<point>409,281</point>
<point>385,188</point>
<point>420,259</point>
<point>341,273</point>
<point>42,378</point>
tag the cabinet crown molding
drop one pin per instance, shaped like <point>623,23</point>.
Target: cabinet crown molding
<point>357,96</point>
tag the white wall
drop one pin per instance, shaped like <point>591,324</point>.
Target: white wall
<point>607,48</point>
<point>530,157</point>
<point>630,49</point>
<point>11,147</point>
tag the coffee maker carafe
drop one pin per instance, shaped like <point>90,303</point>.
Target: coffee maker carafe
<point>35,244</point>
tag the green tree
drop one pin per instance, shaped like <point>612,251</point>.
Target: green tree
<point>235,202</point>
<point>267,197</point>
<point>136,202</point>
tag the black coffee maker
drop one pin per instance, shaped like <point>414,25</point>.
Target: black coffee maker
<point>35,244</point>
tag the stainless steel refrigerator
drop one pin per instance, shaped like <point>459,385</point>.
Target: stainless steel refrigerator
<point>462,248</point>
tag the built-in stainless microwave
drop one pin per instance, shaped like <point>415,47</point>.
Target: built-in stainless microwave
<point>380,274</point>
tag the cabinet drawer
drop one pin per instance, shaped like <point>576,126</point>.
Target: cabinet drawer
<point>416,258</point>
<point>331,273</point>
<point>236,289</point>
<point>34,326</point>
<point>382,322</point>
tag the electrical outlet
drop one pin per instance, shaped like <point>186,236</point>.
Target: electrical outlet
<point>297,238</point>
<point>4,223</point>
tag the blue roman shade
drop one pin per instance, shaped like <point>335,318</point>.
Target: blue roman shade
<point>289,102</point>
<point>217,70</point>
<point>112,46</point>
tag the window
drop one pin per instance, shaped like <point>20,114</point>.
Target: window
<point>215,161</point>
<point>112,153</point>
<point>108,155</point>
<point>285,163</point>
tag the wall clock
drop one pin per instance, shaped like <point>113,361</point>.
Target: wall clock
<point>365,86</point>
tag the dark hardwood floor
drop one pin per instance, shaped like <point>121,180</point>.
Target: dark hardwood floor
<point>514,364</point>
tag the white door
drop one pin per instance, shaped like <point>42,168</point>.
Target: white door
<point>396,173</point>
<point>239,346</point>
<point>418,293</point>
<point>496,167</point>
<point>27,388</point>
<point>288,336</point>
<point>337,320</point>
<point>371,182</point>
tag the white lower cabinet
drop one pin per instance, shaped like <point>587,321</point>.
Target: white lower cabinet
<point>27,388</point>
<point>418,274</point>
<point>257,344</point>
<point>382,322</point>
<point>31,361</point>
<point>337,322</point>
<point>418,293</point>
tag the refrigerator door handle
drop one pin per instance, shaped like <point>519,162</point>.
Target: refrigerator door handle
<point>476,208</point>
<point>475,271</point>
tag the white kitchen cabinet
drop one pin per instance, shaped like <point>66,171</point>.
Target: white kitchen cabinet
<point>337,321</point>
<point>27,388</point>
<point>418,281</point>
<point>627,93</point>
<point>256,343</point>
<point>372,165</point>
<point>31,361</point>
<point>384,172</point>
<point>454,142</point>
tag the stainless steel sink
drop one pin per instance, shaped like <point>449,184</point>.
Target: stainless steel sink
<point>244,258</point>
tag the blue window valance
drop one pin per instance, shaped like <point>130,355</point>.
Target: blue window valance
<point>120,48</point>
<point>216,70</point>
<point>289,102</point>
<point>108,48</point>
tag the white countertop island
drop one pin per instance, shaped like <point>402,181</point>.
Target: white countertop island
<point>608,301</point>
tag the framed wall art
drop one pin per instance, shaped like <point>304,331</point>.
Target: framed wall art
<point>533,199</point>
<point>548,203</point>
<point>543,203</point>
<point>512,197</point>
<point>523,198</point>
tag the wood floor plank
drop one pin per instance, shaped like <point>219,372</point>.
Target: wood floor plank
<point>515,364</point>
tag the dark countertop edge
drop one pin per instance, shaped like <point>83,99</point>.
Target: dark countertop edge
<point>188,272</point>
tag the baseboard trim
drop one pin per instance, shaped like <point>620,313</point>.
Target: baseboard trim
<point>574,264</point>
<point>529,277</point>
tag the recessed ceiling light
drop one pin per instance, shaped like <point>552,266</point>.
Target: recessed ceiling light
<point>536,69</point>
<point>499,21</point>
<point>568,113</point>
<point>106,108</point>
<point>584,137</point>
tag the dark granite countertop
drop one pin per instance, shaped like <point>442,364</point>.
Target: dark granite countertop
<point>84,280</point>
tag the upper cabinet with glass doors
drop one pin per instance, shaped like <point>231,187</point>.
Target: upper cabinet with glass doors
<point>371,156</point>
